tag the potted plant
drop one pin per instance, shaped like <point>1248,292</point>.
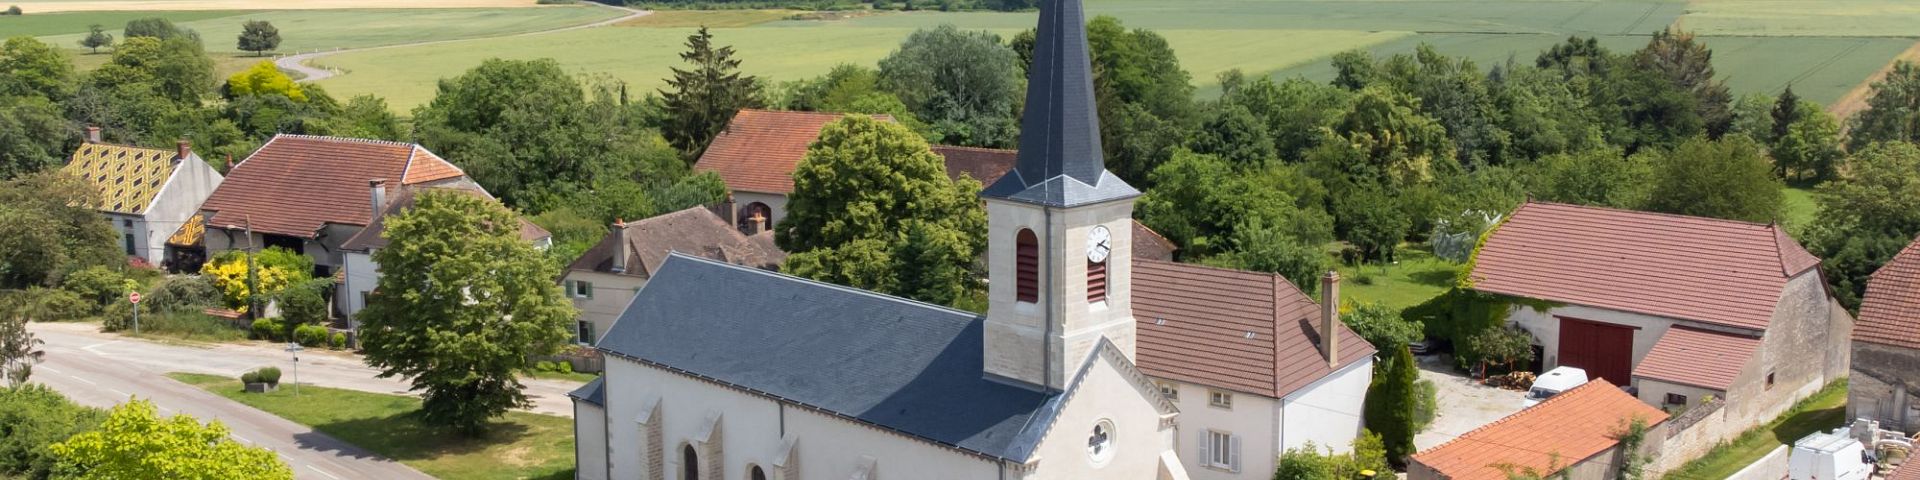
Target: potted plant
<point>253,382</point>
<point>270,375</point>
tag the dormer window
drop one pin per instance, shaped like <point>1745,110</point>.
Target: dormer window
<point>1026,272</point>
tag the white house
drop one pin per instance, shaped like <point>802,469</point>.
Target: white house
<point>146,193</point>
<point>1247,359</point>
<point>718,371</point>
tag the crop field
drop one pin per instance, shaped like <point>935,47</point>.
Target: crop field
<point>641,56</point>
<point>64,23</point>
<point>303,30</point>
<point>49,6</point>
<point>1826,18</point>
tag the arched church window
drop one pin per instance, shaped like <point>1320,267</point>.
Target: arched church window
<point>756,473</point>
<point>689,463</point>
<point>1026,273</point>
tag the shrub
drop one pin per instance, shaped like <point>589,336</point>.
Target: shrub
<point>1427,396</point>
<point>13,11</point>
<point>302,304</point>
<point>1363,280</point>
<point>47,304</point>
<point>338,341</point>
<point>101,285</point>
<point>249,378</point>
<point>182,292</point>
<point>32,417</point>
<point>190,326</point>
<point>269,375</point>
<point>267,329</point>
<point>310,335</point>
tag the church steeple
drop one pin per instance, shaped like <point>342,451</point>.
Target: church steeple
<point>1060,226</point>
<point>1060,162</point>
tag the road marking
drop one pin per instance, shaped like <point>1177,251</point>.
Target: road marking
<point>120,393</point>
<point>90,348</point>
<point>85,381</point>
<point>322,472</point>
<point>50,369</point>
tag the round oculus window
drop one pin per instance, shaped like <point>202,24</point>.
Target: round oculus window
<point>1100,444</point>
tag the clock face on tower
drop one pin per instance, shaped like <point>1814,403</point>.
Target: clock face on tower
<point>1099,244</point>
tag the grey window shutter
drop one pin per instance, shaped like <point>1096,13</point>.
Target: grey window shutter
<point>1233,453</point>
<point>1206,448</point>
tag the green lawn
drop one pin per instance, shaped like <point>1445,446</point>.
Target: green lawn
<point>1418,277</point>
<point>304,30</point>
<point>523,445</point>
<point>1822,411</point>
<point>1800,208</point>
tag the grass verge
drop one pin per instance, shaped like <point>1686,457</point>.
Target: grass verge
<point>568,376</point>
<point>522,445</point>
<point>1823,410</point>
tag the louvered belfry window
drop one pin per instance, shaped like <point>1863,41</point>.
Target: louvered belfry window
<point>1096,282</point>
<point>1026,271</point>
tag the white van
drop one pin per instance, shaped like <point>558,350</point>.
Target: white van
<point>1553,382</point>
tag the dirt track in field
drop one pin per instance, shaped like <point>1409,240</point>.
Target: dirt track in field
<point>1856,100</point>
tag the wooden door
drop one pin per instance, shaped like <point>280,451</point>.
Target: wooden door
<point>1604,350</point>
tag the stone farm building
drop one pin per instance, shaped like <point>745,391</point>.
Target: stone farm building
<point>1681,309</point>
<point>1886,347</point>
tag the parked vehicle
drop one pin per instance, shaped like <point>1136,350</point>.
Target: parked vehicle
<point>1832,455</point>
<point>1553,382</point>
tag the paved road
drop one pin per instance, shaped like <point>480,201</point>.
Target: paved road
<point>317,367</point>
<point>298,62</point>
<point>75,366</point>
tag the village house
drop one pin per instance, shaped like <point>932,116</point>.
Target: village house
<point>360,275</point>
<point>607,276</point>
<point>147,194</point>
<point>1247,359</point>
<point>756,156</point>
<point>722,371</point>
<point>1680,309</point>
<point>1577,433</point>
<point>308,194</point>
<point>1886,347</point>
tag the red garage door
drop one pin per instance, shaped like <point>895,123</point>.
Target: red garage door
<point>1603,350</point>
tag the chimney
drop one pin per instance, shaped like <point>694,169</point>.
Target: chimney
<point>756,223</point>
<point>182,150</point>
<point>1330,317</point>
<point>377,190</point>
<point>620,248</point>
<point>93,134</point>
<point>229,162</point>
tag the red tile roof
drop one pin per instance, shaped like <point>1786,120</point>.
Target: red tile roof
<point>1910,470</point>
<point>1697,357</point>
<point>297,184</point>
<point>1890,314</point>
<point>1194,325</point>
<point>760,148</point>
<point>984,164</point>
<point>1568,428</point>
<point>693,231</point>
<point>1150,244</point>
<point>374,236</point>
<point>1708,270</point>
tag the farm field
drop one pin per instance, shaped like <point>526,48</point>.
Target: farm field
<point>304,30</point>
<point>49,6</point>
<point>641,56</point>
<point>68,23</point>
<point>1835,18</point>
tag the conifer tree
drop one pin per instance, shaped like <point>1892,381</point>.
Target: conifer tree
<point>701,100</point>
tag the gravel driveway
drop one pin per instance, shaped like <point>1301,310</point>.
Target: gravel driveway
<point>1464,404</point>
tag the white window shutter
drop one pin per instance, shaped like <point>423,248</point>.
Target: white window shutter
<point>1233,453</point>
<point>1206,448</point>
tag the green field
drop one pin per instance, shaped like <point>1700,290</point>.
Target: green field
<point>1835,18</point>
<point>521,446</point>
<point>305,30</point>
<point>65,23</point>
<point>1416,278</point>
<point>641,56</point>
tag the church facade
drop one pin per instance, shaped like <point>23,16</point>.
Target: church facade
<point>801,379</point>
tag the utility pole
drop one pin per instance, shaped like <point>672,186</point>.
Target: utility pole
<point>253,278</point>
<point>294,348</point>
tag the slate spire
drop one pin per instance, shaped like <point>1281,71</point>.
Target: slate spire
<point>1060,160</point>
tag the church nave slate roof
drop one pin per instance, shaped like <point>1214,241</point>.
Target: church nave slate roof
<point>901,365</point>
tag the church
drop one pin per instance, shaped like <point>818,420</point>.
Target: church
<point>718,371</point>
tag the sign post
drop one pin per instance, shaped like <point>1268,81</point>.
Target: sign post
<point>134,298</point>
<point>294,348</point>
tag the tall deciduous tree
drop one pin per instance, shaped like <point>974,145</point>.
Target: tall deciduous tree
<point>53,231</point>
<point>34,136</point>
<point>701,100</point>
<point>1603,177</point>
<point>463,303</point>
<point>1728,178</point>
<point>1867,215</point>
<point>1202,202</point>
<point>1893,110</point>
<point>873,208</point>
<point>1676,56</point>
<point>97,37</point>
<point>965,85</point>
<point>29,67</point>
<point>153,27</point>
<point>1809,148</point>
<point>175,69</point>
<point>136,442</point>
<point>259,37</point>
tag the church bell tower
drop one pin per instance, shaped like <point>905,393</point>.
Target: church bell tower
<point>1060,226</point>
